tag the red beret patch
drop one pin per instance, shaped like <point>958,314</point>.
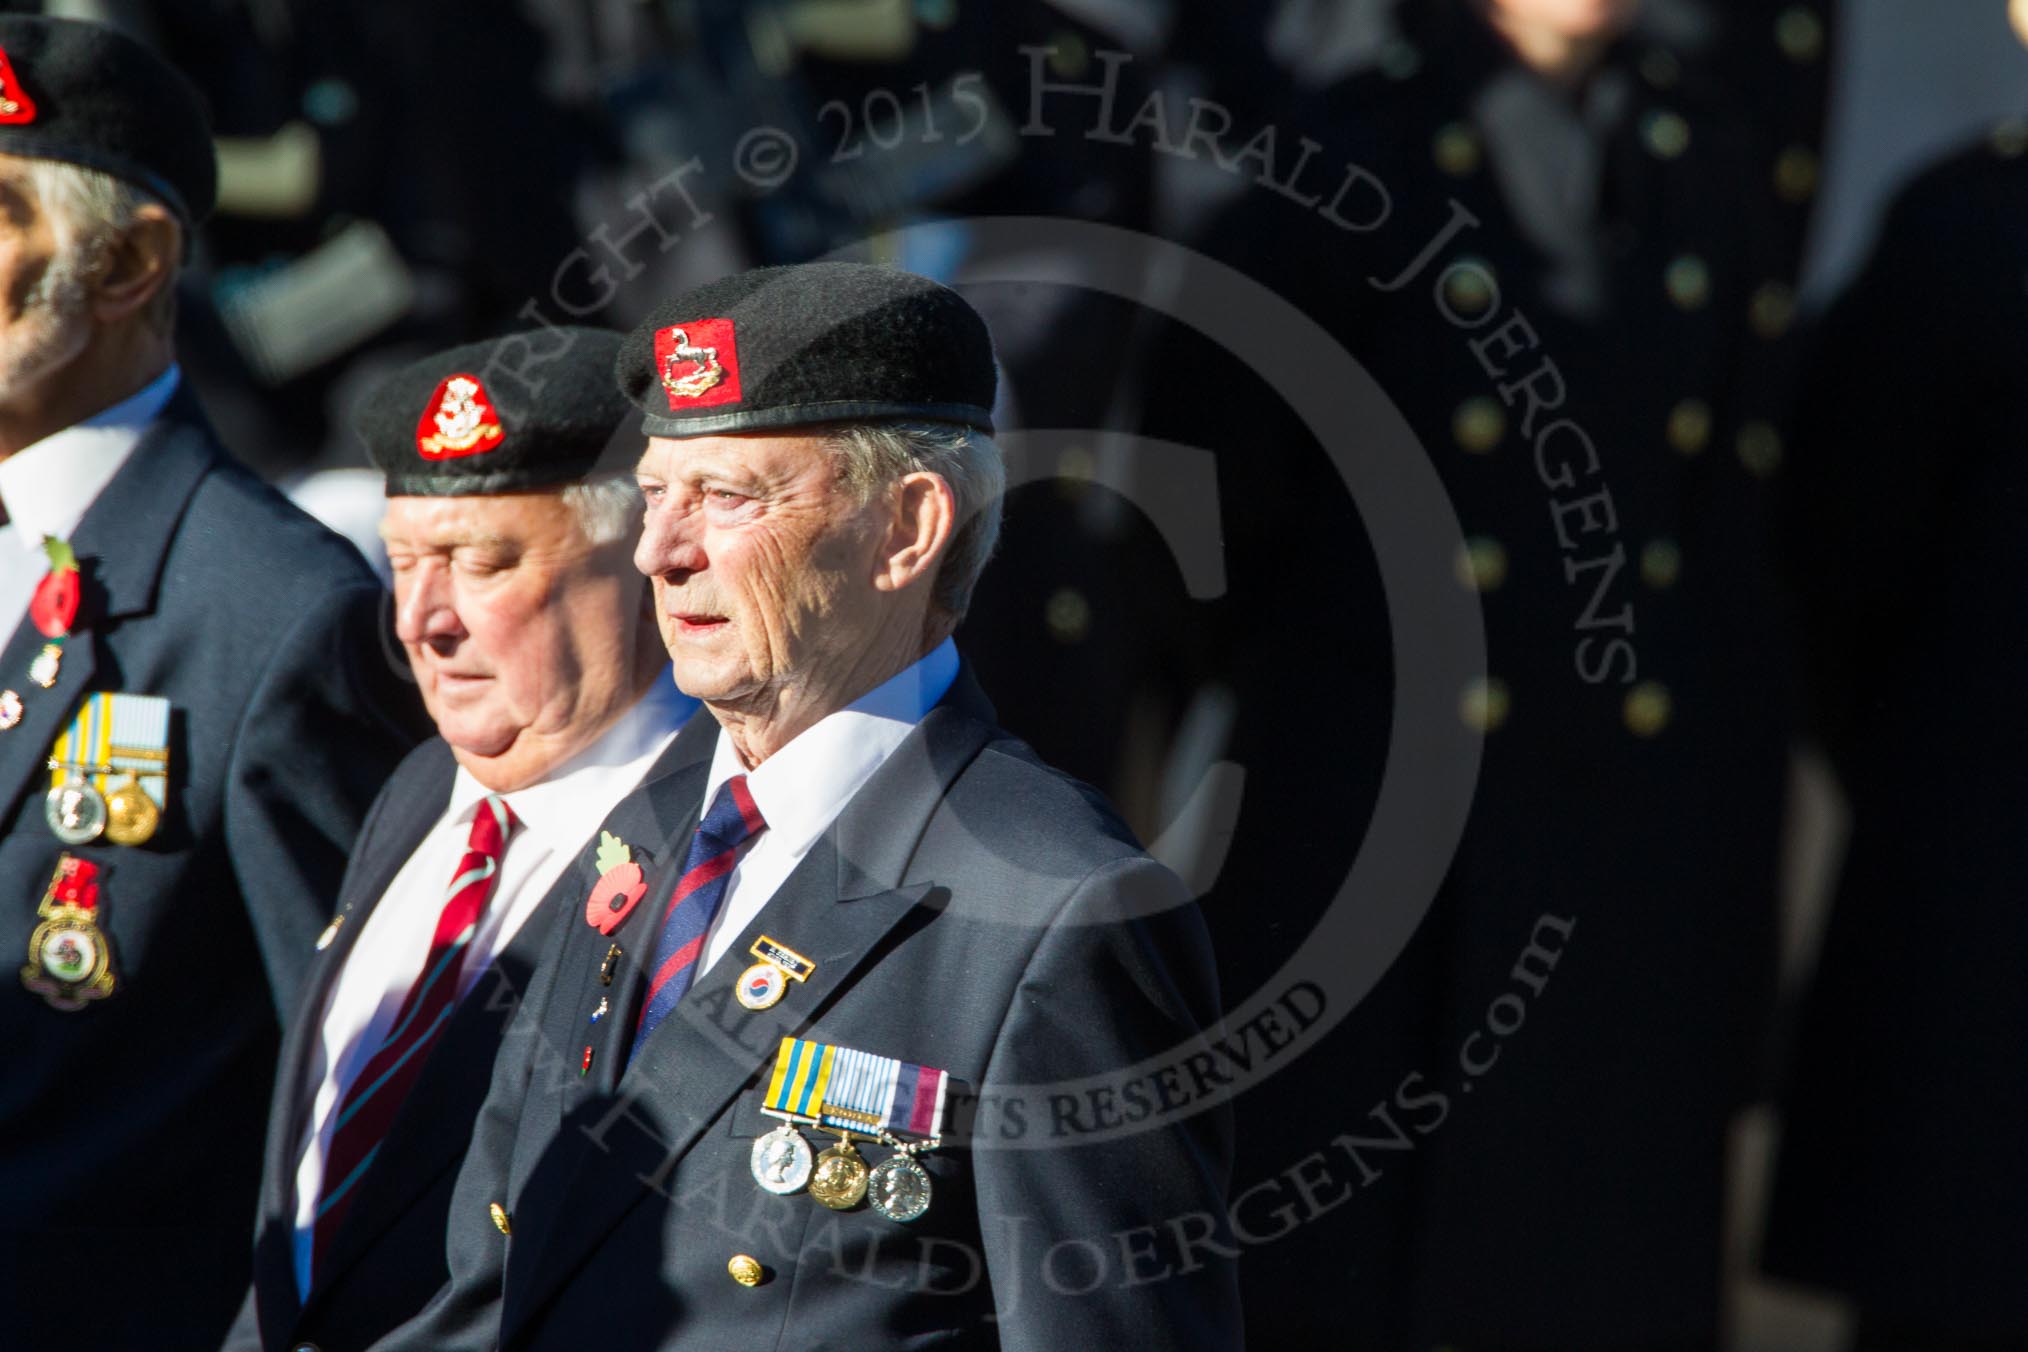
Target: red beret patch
<point>16,108</point>
<point>458,421</point>
<point>698,364</point>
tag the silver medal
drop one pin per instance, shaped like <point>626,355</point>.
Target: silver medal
<point>75,811</point>
<point>782,1160</point>
<point>899,1188</point>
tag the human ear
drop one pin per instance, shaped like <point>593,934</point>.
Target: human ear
<point>140,264</point>
<point>923,518</point>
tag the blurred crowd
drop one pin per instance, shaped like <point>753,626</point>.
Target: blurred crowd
<point>1706,528</point>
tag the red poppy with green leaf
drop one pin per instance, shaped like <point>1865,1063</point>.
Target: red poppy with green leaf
<point>54,607</point>
<point>620,885</point>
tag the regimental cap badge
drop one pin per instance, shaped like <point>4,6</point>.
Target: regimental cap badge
<point>698,363</point>
<point>16,108</point>
<point>460,419</point>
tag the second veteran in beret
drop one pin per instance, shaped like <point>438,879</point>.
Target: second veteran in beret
<point>811,1091</point>
<point>530,635</point>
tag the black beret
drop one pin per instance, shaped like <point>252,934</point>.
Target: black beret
<point>87,94</point>
<point>527,411</point>
<point>810,343</point>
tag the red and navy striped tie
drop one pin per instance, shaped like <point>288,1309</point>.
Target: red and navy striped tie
<point>370,1103</point>
<point>707,871</point>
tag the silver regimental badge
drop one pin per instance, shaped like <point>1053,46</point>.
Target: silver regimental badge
<point>76,811</point>
<point>899,1188</point>
<point>782,1160</point>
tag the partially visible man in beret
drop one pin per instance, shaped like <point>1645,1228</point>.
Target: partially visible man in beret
<point>197,704</point>
<point>533,640</point>
<point>881,930</point>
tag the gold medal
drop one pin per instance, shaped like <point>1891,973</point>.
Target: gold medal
<point>131,815</point>
<point>839,1180</point>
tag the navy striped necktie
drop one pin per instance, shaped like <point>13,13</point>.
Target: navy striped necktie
<point>731,821</point>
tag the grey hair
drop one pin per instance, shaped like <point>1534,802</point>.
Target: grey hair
<point>88,211</point>
<point>872,455</point>
<point>608,506</point>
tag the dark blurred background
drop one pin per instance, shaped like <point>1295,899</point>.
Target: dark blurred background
<point>1751,781</point>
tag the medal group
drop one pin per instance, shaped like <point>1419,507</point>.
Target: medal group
<point>844,1091</point>
<point>109,778</point>
<point>814,1085</point>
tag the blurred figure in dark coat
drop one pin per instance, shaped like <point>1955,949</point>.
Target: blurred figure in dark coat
<point>1902,1182</point>
<point>1584,318</point>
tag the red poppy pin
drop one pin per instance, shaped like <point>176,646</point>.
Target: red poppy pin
<point>620,885</point>
<point>698,364</point>
<point>54,606</point>
<point>53,609</point>
<point>460,420</point>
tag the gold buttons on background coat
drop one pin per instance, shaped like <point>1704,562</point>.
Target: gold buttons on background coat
<point>1478,424</point>
<point>1456,149</point>
<point>1690,425</point>
<point>1484,704</point>
<point>1688,282</point>
<point>745,1269</point>
<point>1648,708</point>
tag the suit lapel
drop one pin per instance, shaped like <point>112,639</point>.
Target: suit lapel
<point>120,544</point>
<point>412,808</point>
<point>837,908</point>
<point>427,1136</point>
<point>410,805</point>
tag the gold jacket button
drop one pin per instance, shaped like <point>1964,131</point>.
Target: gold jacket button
<point>745,1269</point>
<point>502,1222</point>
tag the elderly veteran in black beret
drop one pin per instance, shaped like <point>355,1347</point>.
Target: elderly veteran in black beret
<point>806,1094</point>
<point>532,639</point>
<point>196,709</point>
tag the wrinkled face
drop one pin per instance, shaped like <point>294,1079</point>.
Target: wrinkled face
<point>762,565</point>
<point>45,316</point>
<point>1569,18</point>
<point>521,632</point>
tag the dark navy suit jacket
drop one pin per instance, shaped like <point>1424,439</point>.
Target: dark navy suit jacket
<point>970,910</point>
<point>130,1130</point>
<point>387,1259</point>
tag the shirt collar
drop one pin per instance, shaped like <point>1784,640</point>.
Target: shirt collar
<point>50,485</point>
<point>559,798</point>
<point>801,789</point>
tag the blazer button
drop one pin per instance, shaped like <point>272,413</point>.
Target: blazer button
<point>745,1269</point>
<point>502,1222</point>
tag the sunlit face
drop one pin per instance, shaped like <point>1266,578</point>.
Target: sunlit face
<point>1575,19</point>
<point>45,315</point>
<point>762,564</point>
<point>520,631</point>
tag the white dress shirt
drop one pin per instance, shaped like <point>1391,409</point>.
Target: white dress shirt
<point>557,816</point>
<point>801,789</point>
<point>48,486</point>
